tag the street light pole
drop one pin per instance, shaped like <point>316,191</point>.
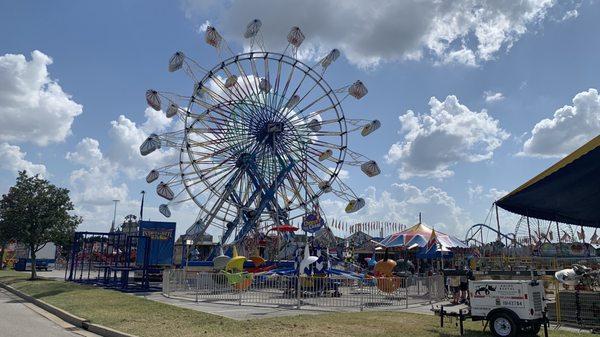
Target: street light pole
<point>142,206</point>
<point>112,227</point>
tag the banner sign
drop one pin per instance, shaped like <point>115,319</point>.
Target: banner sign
<point>162,240</point>
<point>312,222</point>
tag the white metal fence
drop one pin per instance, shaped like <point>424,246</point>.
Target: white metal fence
<point>331,292</point>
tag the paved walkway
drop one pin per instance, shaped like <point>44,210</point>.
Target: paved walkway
<point>21,319</point>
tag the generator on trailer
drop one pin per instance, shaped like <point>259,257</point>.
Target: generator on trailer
<point>510,307</point>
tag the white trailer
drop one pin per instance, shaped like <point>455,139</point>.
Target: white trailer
<point>511,307</point>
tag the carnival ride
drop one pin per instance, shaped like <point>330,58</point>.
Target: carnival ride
<point>262,137</point>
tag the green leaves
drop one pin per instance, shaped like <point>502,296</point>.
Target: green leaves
<point>36,212</point>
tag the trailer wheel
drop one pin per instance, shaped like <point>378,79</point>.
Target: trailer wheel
<point>503,325</point>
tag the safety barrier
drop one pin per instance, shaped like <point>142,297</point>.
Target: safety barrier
<point>332,291</point>
<point>574,308</point>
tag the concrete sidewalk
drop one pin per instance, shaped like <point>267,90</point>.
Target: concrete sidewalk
<point>19,318</point>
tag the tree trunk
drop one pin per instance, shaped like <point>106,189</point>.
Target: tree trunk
<point>2,247</point>
<point>33,271</point>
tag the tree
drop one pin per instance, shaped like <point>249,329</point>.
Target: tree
<point>37,213</point>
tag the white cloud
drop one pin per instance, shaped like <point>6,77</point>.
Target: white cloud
<point>491,96</point>
<point>569,128</point>
<point>203,26</point>
<point>474,192</point>
<point>33,107</point>
<point>87,153</point>
<point>13,160</point>
<point>495,194</point>
<point>402,204</point>
<point>94,185</point>
<point>431,144</point>
<point>572,14</point>
<point>126,138</point>
<point>466,31</point>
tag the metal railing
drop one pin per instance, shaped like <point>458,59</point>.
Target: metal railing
<point>570,307</point>
<point>327,292</point>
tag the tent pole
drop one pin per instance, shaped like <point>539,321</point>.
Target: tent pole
<point>559,240</point>
<point>529,233</point>
<point>530,249</point>
<point>498,222</point>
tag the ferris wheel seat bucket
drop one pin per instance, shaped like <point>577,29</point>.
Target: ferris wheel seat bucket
<point>164,210</point>
<point>330,58</point>
<point>325,186</point>
<point>358,90</point>
<point>264,85</point>
<point>151,144</point>
<point>212,37</point>
<point>355,205</point>
<point>370,128</point>
<point>231,81</point>
<point>153,99</point>
<point>314,125</point>
<point>294,100</point>
<point>325,154</point>
<point>176,61</point>
<point>252,28</point>
<point>295,37</point>
<point>165,191</point>
<point>172,110</point>
<point>370,168</point>
<point>152,176</point>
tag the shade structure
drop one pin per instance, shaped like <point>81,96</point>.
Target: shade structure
<point>568,191</point>
<point>420,234</point>
<point>436,247</point>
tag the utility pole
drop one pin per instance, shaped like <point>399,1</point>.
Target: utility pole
<point>142,206</point>
<point>112,227</point>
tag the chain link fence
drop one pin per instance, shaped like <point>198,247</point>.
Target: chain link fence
<point>312,292</point>
<point>570,307</point>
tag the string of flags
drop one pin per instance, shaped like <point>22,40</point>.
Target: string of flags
<point>376,227</point>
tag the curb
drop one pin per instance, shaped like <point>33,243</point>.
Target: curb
<point>66,316</point>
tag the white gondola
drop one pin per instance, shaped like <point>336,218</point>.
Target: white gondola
<point>264,85</point>
<point>325,186</point>
<point>358,90</point>
<point>176,61</point>
<point>355,205</point>
<point>212,37</point>
<point>314,125</point>
<point>151,144</point>
<point>152,176</point>
<point>252,28</point>
<point>369,128</point>
<point>330,58</point>
<point>325,154</point>
<point>164,210</point>
<point>165,191</point>
<point>370,168</point>
<point>231,81</point>
<point>172,110</point>
<point>295,37</point>
<point>293,102</point>
<point>153,99</point>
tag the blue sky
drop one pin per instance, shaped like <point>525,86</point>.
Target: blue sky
<point>508,67</point>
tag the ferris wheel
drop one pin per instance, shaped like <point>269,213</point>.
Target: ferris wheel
<point>262,136</point>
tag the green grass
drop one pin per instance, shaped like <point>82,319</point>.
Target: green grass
<point>144,317</point>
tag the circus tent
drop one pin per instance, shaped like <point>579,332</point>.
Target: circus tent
<point>420,235</point>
